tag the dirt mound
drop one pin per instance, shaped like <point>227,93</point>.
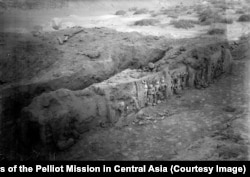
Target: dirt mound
<point>106,51</point>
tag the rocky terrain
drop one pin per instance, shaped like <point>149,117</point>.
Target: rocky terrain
<point>97,93</point>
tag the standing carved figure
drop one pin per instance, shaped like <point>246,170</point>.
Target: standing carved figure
<point>197,81</point>
<point>205,77</point>
<point>157,93</point>
<point>151,93</point>
<point>163,89</point>
<point>186,77</point>
<point>183,80</point>
<point>219,68</point>
<point>179,83</point>
<point>172,83</point>
<point>121,109</point>
<point>145,94</point>
<point>176,83</point>
<point>212,74</point>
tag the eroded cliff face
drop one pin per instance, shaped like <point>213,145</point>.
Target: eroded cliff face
<point>62,115</point>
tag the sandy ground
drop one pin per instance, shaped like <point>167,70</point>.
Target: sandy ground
<point>101,14</point>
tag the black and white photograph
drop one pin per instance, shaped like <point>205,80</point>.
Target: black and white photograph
<point>124,80</point>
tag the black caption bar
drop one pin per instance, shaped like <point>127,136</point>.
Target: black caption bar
<point>107,168</point>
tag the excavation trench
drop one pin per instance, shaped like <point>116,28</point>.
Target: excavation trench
<point>61,116</point>
<point>52,114</point>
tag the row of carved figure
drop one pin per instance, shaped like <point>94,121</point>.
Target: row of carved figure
<point>179,82</point>
<point>154,92</point>
<point>157,91</point>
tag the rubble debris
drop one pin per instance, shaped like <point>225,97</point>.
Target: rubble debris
<point>60,40</point>
<point>56,23</point>
<point>144,119</point>
<point>92,54</point>
<point>151,66</point>
<point>68,36</point>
